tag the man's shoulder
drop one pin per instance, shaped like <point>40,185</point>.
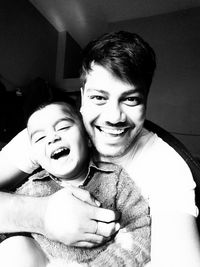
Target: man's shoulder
<point>154,146</point>
<point>158,157</point>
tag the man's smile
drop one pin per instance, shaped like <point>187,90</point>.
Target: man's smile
<point>112,131</point>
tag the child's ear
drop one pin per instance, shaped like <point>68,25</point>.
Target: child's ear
<point>89,143</point>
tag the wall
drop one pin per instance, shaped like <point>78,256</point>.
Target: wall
<point>92,29</point>
<point>174,101</point>
<point>70,84</point>
<point>28,43</point>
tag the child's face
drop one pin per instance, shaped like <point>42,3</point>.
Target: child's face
<point>58,141</point>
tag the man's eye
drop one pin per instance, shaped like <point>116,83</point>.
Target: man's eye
<point>132,101</point>
<point>97,99</point>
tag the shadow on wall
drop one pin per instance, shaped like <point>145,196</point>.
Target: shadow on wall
<point>15,108</point>
<point>11,114</point>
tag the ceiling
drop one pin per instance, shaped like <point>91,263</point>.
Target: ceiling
<point>61,12</point>
<point>82,17</point>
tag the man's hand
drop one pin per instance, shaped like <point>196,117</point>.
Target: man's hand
<point>74,218</point>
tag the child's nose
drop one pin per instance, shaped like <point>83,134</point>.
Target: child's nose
<point>53,137</point>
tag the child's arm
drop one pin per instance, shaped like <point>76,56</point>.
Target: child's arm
<point>16,161</point>
<point>131,246</point>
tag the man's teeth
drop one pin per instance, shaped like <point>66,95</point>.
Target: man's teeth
<point>112,131</point>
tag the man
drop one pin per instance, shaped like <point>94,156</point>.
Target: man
<point>116,74</point>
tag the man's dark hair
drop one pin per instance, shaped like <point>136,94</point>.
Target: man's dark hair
<point>126,55</point>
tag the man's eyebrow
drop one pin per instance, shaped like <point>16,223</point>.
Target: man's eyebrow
<point>132,91</point>
<point>128,92</point>
<point>97,90</point>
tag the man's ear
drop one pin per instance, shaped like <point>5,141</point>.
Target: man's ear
<point>81,98</point>
<point>81,91</point>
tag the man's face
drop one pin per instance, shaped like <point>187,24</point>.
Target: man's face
<point>113,112</point>
<point>58,141</point>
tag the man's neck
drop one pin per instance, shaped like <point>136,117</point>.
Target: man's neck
<point>126,158</point>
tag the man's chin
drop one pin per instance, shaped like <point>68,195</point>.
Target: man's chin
<point>111,152</point>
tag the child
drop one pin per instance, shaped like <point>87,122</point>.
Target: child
<point>60,145</point>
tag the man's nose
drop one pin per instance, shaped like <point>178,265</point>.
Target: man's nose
<point>114,113</point>
<point>53,137</point>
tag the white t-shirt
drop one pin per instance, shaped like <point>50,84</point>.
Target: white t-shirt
<point>160,172</point>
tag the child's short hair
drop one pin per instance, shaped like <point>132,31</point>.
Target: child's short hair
<point>66,104</point>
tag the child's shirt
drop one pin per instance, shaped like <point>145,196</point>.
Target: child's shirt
<point>113,188</point>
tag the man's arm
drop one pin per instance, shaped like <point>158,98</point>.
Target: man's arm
<point>73,223</point>
<point>175,240</point>
<point>10,175</point>
<point>174,232</point>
